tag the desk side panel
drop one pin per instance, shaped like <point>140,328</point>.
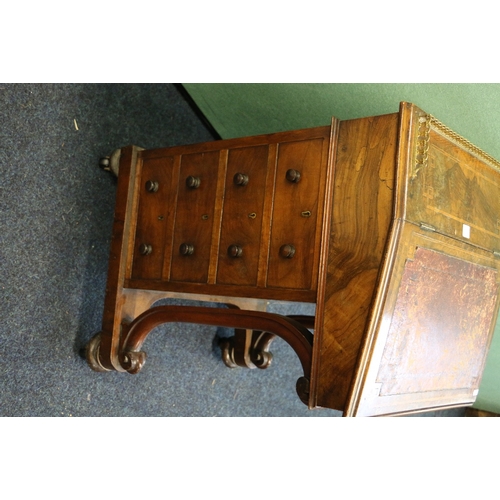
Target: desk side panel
<point>361,217</point>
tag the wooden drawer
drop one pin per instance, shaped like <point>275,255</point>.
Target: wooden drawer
<point>194,217</point>
<point>243,216</point>
<point>301,166</point>
<point>156,200</point>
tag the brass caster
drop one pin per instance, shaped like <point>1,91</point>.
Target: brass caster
<point>111,163</point>
<point>104,163</point>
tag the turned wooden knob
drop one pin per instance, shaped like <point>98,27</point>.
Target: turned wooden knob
<point>186,249</point>
<point>145,249</point>
<point>193,182</point>
<point>293,175</point>
<point>287,251</point>
<point>152,186</point>
<point>240,179</point>
<point>235,251</point>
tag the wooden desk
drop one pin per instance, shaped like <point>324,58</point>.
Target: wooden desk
<point>389,224</point>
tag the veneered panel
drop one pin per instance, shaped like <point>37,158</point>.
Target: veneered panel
<point>452,189</point>
<point>365,172</point>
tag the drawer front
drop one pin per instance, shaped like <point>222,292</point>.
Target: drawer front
<point>225,219</point>
<point>155,198</point>
<point>194,218</point>
<point>242,218</point>
<point>295,214</point>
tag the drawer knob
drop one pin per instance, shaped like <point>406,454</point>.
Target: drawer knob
<point>240,179</point>
<point>193,182</point>
<point>287,251</point>
<point>186,249</point>
<point>152,186</point>
<point>145,249</point>
<point>235,251</point>
<point>293,175</point>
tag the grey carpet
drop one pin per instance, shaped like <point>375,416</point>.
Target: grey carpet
<point>56,211</point>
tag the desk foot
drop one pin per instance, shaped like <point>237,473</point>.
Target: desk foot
<point>302,389</point>
<point>92,354</point>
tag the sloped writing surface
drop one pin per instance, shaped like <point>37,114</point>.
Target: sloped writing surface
<point>428,341</point>
<point>440,327</point>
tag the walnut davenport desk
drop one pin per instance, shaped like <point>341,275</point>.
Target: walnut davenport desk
<point>389,224</point>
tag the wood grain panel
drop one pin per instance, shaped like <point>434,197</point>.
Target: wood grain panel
<point>363,200</point>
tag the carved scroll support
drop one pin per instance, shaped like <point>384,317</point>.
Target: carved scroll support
<point>251,348</point>
<point>264,325</point>
<point>247,349</point>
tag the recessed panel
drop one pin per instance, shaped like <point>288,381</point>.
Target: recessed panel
<point>440,327</point>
